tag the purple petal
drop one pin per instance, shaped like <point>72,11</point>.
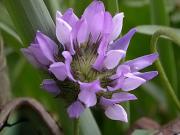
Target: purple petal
<point>123,69</point>
<point>95,11</point>
<point>63,33</point>
<point>37,53</point>
<point>94,8</point>
<point>117,98</point>
<point>31,58</point>
<point>117,25</point>
<point>75,109</point>
<point>116,84</point>
<point>132,82</point>
<point>108,23</point>
<point>88,98</point>
<point>123,43</point>
<point>93,87</point>
<point>99,62</point>
<point>51,86</point>
<point>47,46</point>
<point>116,112</point>
<point>96,28</point>
<point>68,60</point>
<point>123,96</point>
<point>80,31</point>
<point>63,30</point>
<point>113,58</point>
<point>59,70</point>
<point>141,62</point>
<point>70,17</point>
<point>58,15</point>
<point>147,75</point>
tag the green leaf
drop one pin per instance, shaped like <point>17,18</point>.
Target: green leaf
<point>112,6</point>
<point>4,27</point>
<point>88,124</point>
<point>30,16</point>
<point>170,93</point>
<point>151,29</point>
<point>160,16</point>
<point>53,6</point>
<point>8,32</point>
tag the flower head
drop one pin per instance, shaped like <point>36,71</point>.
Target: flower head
<point>89,70</point>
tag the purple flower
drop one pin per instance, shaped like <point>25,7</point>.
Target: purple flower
<point>88,92</point>
<point>75,109</point>
<point>88,71</point>
<point>112,108</point>
<point>41,52</point>
<point>51,86</point>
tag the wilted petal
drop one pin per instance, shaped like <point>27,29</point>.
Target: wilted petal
<point>70,17</point>
<point>147,75</point>
<point>141,62</point>
<point>87,97</point>
<point>117,98</point>
<point>63,30</point>
<point>51,86</point>
<point>116,112</point>
<point>75,109</point>
<point>132,82</point>
<point>117,25</point>
<point>123,43</point>
<point>59,70</point>
<point>68,60</point>
<point>113,58</point>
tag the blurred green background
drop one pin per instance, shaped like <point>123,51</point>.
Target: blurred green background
<point>153,100</point>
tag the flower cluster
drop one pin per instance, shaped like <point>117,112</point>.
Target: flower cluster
<point>90,70</point>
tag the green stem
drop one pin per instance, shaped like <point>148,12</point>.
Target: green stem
<point>117,6</point>
<point>175,38</point>
<point>76,126</point>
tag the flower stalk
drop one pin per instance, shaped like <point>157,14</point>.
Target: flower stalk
<point>76,126</point>
<point>117,6</point>
<point>174,37</point>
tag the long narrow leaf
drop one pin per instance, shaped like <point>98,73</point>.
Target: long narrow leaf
<point>88,125</point>
<point>29,16</point>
